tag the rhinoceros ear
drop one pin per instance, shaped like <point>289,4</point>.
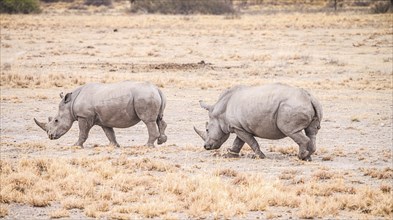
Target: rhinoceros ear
<point>67,97</point>
<point>61,95</point>
<point>204,105</point>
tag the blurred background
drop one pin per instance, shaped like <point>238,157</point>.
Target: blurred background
<point>195,7</point>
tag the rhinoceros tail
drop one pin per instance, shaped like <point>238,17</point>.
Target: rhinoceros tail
<point>160,121</point>
<point>163,104</point>
<point>317,109</point>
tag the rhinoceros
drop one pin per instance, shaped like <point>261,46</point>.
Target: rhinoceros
<point>272,111</point>
<point>117,105</point>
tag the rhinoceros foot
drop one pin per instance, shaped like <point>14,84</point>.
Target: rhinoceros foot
<point>231,154</point>
<point>162,139</point>
<point>256,156</point>
<point>308,158</point>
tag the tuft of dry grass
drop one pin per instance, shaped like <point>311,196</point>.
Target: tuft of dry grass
<point>327,158</point>
<point>288,174</point>
<point>291,151</point>
<point>386,187</point>
<point>226,172</point>
<point>3,210</point>
<point>73,202</point>
<point>322,175</point>
<point>59,213</point>
<point>378,173</point>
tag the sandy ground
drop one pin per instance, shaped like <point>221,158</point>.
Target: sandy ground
<point>345,60</point>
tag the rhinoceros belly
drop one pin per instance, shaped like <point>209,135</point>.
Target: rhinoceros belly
<point>255,113</point>
<point>116,112</point>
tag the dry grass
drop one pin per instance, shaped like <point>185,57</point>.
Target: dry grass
<point>59,213</point>
<point>378,173</point>
<point>288,174</point>
<point>291,151</point>
<point>73,202</point>
<point>3,210</point>
<point>173,79</point>
<point>151,188</point>
<point>155,53</point>
<point>18,80</point>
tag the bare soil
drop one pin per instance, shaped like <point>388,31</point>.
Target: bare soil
<point>345,60</point>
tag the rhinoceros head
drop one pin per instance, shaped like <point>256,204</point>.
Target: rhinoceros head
<point>214,137</point>
<point>59,125</point>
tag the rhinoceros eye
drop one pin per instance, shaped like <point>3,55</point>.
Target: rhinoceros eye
<point>56,120</point>
<point>207,130</point>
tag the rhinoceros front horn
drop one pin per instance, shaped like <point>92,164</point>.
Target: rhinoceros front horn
<point>200,133</point>
<point>41,125</point>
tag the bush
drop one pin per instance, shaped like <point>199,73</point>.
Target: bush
<point>98,2</point>
<point>381,7</point>
<point>183,6</point>
<point>51,1</point>
<point>19,6</point>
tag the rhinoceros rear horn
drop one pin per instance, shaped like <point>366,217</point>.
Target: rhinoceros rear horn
<point>41,125</point>
<point>200,133</point>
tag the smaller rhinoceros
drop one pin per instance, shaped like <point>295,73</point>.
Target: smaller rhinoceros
<point>272,111</point>
<point>117,105</point>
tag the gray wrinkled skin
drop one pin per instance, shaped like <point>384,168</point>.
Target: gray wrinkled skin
<point>117,105</point>
<point>272,111</point>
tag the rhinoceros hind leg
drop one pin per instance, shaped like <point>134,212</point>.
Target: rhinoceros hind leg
<point>161,128</point>
<point>311,133</point>
<point>110,134</point>
<point>303,141</point>
<point>250,140</point>
<point>153,133</point>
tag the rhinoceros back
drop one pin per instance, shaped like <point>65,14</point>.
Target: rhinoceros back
<point>255,109</point>
<point>113,105</point>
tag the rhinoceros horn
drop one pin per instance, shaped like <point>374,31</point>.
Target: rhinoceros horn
<point>200,133</point>
<point>41,125</point>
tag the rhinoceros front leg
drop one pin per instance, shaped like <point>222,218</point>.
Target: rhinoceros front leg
<point>110,134</point>
<point>153,133</point>
<point>84,128</point>
<point>250,140</point>
<point>235,149</point>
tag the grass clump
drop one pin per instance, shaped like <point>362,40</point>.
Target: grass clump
<point>60,213</point>
<point>215,7</point>
<point>19,6</point>
<point>3,211</point>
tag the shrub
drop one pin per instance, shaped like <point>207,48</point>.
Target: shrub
<point>381,7</point>
<point>51,1</point>
<point>182,6</point>
<point>98,2</point>
<point>19,6</point>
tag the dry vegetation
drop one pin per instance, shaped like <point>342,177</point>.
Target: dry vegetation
<point>145,188</point>
<point>344,59</point>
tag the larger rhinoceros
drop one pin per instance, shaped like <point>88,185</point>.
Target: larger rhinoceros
<point>117,105</point>
<point>272,111</point>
